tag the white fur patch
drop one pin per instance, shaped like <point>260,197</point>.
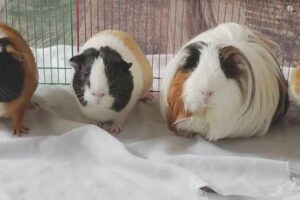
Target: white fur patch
<point>98,85</point>
<point>2,35</point>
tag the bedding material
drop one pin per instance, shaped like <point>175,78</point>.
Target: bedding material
<point>65,157</point>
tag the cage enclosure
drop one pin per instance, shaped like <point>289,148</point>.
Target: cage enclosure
<point>55,29</point>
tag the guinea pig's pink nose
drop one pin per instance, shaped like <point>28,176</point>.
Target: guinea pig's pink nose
<point>207,93</point>
<point>98,94</point>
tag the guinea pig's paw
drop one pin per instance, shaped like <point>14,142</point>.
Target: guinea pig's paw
<point>185,134</point>
<point>19,130</point>
<point>33,105</point>
<point>148,97</point>
<point>17,124</point>
<point>294,120</point>
<point>99,124</point>
<point>112,128</point>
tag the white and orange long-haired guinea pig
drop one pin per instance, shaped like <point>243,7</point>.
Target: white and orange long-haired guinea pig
<point>224,83</point>
<point>18,77</point>
<point>111,75</point>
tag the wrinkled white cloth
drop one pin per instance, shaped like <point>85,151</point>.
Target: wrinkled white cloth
<point>65,158</point>
<point>87,163</point>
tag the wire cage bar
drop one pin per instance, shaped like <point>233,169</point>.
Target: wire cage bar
<point>55,29</point>
<point>47,26</point>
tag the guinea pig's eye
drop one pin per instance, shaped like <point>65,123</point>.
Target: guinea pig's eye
<point>86,73</point>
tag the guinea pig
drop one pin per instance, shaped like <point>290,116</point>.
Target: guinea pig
<point>111,75</point>
<point>295,91</point>
<point>18,77</point>
<point>224,83</point>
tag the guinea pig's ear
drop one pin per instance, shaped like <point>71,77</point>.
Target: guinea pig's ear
<point>232,61</point>
<point>77,62</point>
<point>126,66</point>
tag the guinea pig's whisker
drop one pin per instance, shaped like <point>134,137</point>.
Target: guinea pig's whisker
<point>4,96</point>
<point>80,97</point>
<point>78,91</point>
<point>79,94</point>
<point>1,95</point>
<point>118,98</point>
<point>7,90</point>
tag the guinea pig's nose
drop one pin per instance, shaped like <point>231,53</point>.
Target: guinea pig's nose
<point>207,93</point>
<point>98,94</point>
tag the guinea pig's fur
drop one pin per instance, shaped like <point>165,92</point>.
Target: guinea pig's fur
<point>235,87</point>
<point>295,91</point>
<point>18,77</point>
<point>111,75</point>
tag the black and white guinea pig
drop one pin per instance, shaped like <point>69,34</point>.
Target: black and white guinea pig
<point>224,83</point>
<point>111,75</point>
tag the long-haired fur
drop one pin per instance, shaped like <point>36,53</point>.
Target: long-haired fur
<point>176,109</point>
<point>240,67</point>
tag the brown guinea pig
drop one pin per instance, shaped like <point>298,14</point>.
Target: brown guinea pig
<point>18,77</point>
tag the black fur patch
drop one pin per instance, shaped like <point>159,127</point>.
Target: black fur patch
<point>194,51</point>
<point>120,80</point>
<point>283,105</point>
<point>230,66</point>
<point>82,64</point>
<point>237,67</point>
<point>284,101</point>
<point>11,74</point>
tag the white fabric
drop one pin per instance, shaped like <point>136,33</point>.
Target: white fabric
<point>86,163</point>
<point>65,158</point>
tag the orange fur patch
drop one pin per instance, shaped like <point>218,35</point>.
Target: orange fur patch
<point>176,109</point>
<point>296,78</point>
